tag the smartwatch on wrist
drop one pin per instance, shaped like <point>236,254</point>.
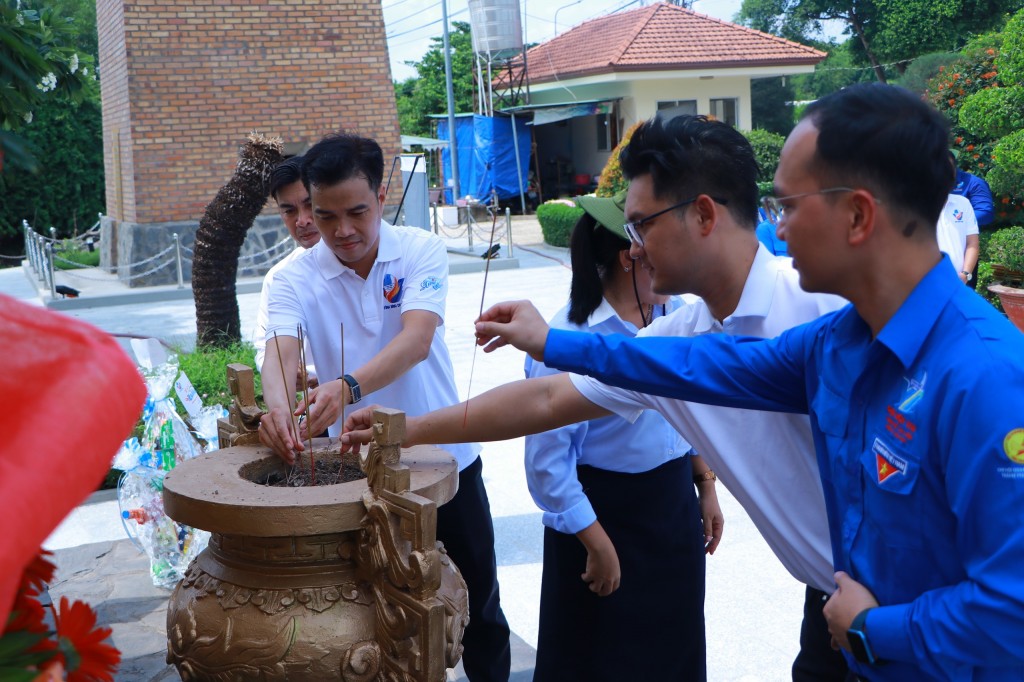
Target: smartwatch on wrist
<point>353,387</point>
<point>857,636</point>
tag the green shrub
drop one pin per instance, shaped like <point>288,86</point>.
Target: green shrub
<point>985,278</point>
<point>994,112</point>
<point>556,222</point>
<point>77,257</point>
<point>767,147</point>
<point>1006,248</point>
<point>923,69</point>
<point>206,368</point>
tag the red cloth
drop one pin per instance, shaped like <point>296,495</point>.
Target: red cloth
<point>69,396</point>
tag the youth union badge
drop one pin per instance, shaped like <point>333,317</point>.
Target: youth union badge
<point>1013,446</point>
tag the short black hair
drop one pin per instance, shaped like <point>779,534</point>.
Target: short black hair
<point>284,174</point>
<point>885,139</point>
<point>690,155</point>
<point>340,156</point>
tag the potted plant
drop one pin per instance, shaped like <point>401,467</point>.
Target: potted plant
<point>1006,258</point>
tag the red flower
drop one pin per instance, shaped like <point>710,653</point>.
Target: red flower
<point>85,656</point>
<point>981,164</point>
<point>1006,200</point>
<point>38,574</point>
<point>27,615</point>
<point>952,102</point>
<point>990,51</point>
<point>941,69</point>
<point>970,147</point>
<point>959,140</point>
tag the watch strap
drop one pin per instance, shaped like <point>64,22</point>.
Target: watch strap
<point>353,388</point>
<point>708,475</point>
<point>857,637</point>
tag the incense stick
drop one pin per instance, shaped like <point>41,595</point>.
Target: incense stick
<point>284,378</point>
<point>343,403</point>
<point>483,294</point>
<point>305,401</point>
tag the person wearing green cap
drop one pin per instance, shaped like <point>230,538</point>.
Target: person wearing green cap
<point>585,477</point>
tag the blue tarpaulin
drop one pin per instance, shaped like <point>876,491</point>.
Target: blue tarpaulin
<point>487,156</point>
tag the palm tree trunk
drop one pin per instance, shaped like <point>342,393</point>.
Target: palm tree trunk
<point>219,241</point>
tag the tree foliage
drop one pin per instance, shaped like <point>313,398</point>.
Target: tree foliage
<point>882,31</point>
<point>426,93</point>
<point>40,58</point>
<point>975,73</point>
<point>997,112</point>
<point>66,190</point>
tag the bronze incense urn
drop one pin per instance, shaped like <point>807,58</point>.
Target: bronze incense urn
<point>329,582</point>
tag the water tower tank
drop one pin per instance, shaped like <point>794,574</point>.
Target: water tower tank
<point>497,27</point>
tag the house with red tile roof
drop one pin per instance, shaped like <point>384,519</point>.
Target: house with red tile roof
<point>594,81</point>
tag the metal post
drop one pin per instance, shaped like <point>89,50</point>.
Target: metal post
<point>49,255</point>
<point>469,222</point>
<point>41,248</point>
<point>177,254</point>
<point>452,143</point>
<point>436,226</point>
<point>508,229</point>
<point>519,166</point>
<point>53,233</point>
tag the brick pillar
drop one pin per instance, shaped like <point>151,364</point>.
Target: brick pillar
<point>183,83</point>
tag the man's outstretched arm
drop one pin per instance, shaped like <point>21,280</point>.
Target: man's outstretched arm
<point>517,409</point>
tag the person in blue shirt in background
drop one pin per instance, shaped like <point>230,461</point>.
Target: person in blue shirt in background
<point>767,235</point>
<point>587,478</point>
<point>976,191</point>
<point>915,392</point>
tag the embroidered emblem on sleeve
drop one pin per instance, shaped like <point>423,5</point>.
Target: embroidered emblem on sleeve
<point>1013,446</point>
<point>430,283</point>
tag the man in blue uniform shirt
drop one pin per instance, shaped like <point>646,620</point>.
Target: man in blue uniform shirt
<point>915,392</point>
<point>976,191</point>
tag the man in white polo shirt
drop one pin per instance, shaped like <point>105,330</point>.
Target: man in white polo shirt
<point>692,203</point>
<point>385,286</point>
<point>957,234</point>
<point>297,213</point>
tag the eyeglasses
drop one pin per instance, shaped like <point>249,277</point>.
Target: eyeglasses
<point>775,211</point>
<point>633,228</point>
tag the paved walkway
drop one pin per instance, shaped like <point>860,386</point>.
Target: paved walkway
<point>753,607</point>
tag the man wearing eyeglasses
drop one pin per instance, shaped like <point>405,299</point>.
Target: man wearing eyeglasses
<point>914,393</point>
<point>691,205</point>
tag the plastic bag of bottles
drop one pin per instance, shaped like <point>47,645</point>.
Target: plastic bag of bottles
<point>166,441</point>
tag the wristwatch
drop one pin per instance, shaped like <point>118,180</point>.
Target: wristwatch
<point>353,387</point>
<point>708,475</point>
<point>966,274</point>
<point>857,636</point>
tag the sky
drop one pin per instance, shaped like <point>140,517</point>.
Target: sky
<point>410,24</point>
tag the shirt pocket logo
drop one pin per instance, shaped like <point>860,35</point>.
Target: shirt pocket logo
<point>893,469</point>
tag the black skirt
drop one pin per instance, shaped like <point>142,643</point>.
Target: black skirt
<point>652,627</point>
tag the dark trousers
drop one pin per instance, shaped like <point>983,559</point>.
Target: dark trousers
<point>464,526</point>
<point>817,659</point>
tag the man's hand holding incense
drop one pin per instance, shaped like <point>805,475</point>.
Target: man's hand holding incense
<point>277,433</point>
<point>326,402</point>
<point>515,323</point>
